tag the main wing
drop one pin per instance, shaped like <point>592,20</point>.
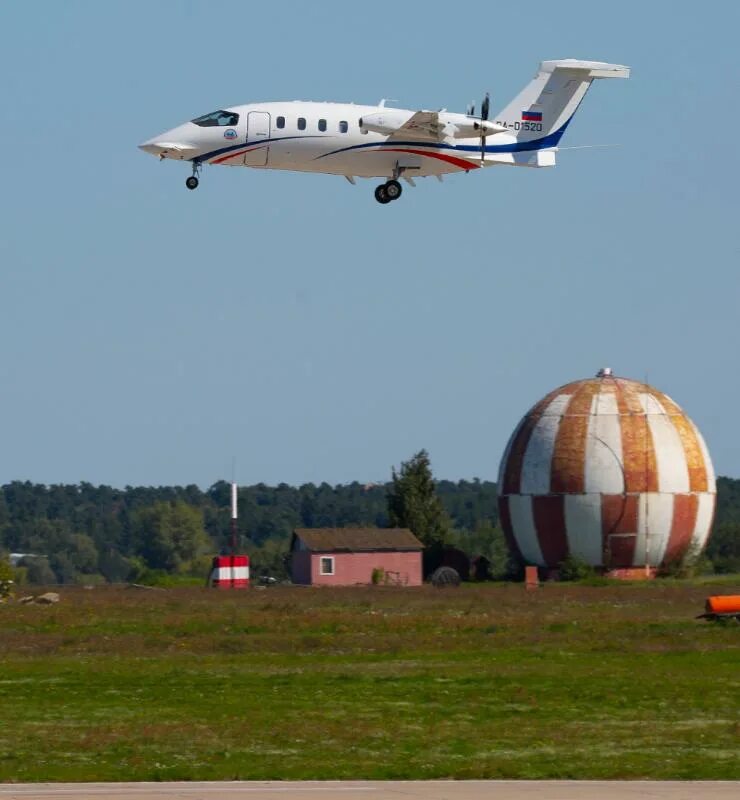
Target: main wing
<point>422,124</point>
<point>439,125</point>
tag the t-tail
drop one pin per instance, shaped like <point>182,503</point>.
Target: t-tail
<point>540,113</point>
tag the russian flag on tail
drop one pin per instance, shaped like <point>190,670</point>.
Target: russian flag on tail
<point>532,116</point>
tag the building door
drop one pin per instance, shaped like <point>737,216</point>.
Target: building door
<point>620,550</point>
<point>258,130</point>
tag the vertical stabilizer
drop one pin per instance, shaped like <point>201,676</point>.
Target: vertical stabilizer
<point>540,113</point>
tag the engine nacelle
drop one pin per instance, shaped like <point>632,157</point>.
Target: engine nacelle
<point>462,127</point>
<point>387,121</point>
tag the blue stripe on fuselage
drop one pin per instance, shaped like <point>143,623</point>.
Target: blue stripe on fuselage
<point>551,140</point>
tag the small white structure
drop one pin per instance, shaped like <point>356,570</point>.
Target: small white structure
<point>16,558</point>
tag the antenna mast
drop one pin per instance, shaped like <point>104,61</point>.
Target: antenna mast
<point>233,518</point>
<point>647,479</point>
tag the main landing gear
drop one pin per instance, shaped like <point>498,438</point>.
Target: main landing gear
<point>192,181</point>
<point>389,191</point>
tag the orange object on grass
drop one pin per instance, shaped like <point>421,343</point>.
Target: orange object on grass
<point>723,604</point>
<point>531,578</point>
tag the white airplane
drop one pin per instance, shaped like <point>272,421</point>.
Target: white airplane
<point>392,143</point>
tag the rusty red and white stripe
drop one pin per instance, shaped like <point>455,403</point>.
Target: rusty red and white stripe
<point>609,470</point>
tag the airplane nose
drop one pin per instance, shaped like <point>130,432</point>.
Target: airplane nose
<point>168,147</point>
<point>150,147</point>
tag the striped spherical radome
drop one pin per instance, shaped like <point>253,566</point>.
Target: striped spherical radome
<point>608,470</point>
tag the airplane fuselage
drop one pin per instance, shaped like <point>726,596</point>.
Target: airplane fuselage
<point>322,137</point>
<point>390,143</point>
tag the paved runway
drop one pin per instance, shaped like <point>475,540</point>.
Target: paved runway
<point>379,790</point>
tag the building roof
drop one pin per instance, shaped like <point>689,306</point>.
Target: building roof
<point>353,540</point>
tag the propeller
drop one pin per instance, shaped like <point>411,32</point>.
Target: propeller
<point>484,109</point>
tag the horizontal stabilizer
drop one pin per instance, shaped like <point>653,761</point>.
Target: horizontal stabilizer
<point>527,158</point>
<point>591,69</point>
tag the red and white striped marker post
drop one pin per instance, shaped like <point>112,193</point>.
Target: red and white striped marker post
<point>232,571</point>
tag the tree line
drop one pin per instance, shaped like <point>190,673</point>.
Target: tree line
<point>90,534</point>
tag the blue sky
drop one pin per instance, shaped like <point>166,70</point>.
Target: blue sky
<point>152,334</point>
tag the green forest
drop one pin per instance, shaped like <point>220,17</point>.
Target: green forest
<point>86,534</point>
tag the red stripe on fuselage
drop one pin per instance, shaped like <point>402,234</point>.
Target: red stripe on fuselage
<point>227,157</point>
<point>234,155</point>
<point>456,162</point>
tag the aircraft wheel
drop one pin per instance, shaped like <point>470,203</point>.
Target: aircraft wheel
<point>393,190</point>
<point>192,182</point>
<point>381,195</point>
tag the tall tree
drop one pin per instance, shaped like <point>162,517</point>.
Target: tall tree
<point>413,502</point>
<point>170,534</point>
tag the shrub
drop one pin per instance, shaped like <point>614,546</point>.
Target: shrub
<point>6,578</point>
<point>6,571</point>
<point>115,567</point>
<point>575,569</point>
<point>198,567</point>
<point>38,570</point>
<point>378,576</point>
<point>690,565</point>
<point>21,576</point>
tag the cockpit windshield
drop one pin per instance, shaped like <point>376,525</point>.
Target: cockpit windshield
<point>217,119</point>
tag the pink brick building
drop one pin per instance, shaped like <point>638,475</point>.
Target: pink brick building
<point>348,556</point>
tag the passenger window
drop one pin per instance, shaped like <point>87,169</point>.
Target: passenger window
<point>280,122</point>
<point>301,123</point>
<point>343,126</point>
<point>322,124</point>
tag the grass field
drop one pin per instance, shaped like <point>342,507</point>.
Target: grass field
<point>486,681</point>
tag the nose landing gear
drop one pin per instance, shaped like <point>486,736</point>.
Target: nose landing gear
<point>192,182</point>
<point>387,192</point>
